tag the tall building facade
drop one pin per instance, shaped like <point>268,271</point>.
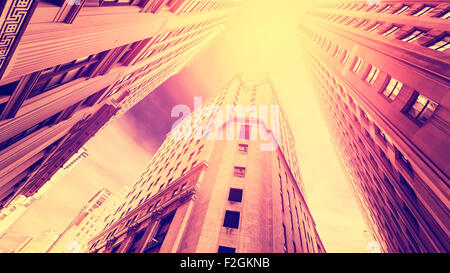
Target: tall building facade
<point>381,73</point>
<point>67,68</point>
<point>20,204</point>
<point>40,243</point>
<point>90,221</point>
<point>226,179</point>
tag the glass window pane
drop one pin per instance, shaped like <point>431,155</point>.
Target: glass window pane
<point>428,112</point>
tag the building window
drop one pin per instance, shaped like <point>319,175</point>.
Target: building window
<point>380,134</point>
<point>245,131</point>
<point>239,171</point>
<point>175,192</point>
<point>61,74</point>
<point>344,60</point>
<point>156,242</point>
<point>47,122</point>
<point>392,89</point>
<point>363,23</point>
<point>442,44</point>
<point>403,160</point>
<point>225,249</point>
<point>445,15</point>
<point>351,21</point>
<point>281,193</point>
<point>193,164</point>
<point>402,9</point>
<point>243,149</point>
<point>390,31</point>
<point>422,108</point>
<point>423,11</point>
<point>412,36</point>
<point>136,240</point>
<point>386,8</point>
<point>8,89</point>
<point>231,219</point>
<point>357,65</point>
<point>372,7</point>
<point>235,195</point>
<point>338,49</point>
<point>285,239</point>
<point>115,249</point>
<point>114,2</point>
<point>373,74</point>
<point>374,27</point>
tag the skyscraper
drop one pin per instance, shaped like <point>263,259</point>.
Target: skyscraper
<point>91,220</point>
<point>67,68</point>
<point>381,73</point>
<point>226,179</point>
<point>39,244</point>
<point>20,204</point>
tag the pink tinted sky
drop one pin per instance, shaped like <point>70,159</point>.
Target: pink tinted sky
<point>259,38</point>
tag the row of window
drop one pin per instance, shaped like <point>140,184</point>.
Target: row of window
<point>401,159</point>
<point>439,43</point>
<point>199,6</point>
<point>309,242</point>
<point>388,8</point>
<point>358,158</point>
<point>231,218</point>
<point>419,108</point>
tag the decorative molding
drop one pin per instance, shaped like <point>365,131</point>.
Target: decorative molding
<point>14,18</point>
<point>110,243</point>
<point>132,230</point>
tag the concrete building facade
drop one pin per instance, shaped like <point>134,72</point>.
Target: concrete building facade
<point>67,68</point>
<point>226,179</point>
<point>20,204</point>
<point>381,73</point>
<point>90,221</point>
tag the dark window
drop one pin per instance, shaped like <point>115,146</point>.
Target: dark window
<point>442,44</point>
<point>231,219</point>
<point>114,2</point>
<point>57,75</point>
<point>413,35</point>
<point>137,238</point>
<point>402,9</point>
<point>235,195</point>
<point>225,249</point>
<point>8,89</point>
<point>239,171</point>
<point>243,148</point>
<point>445,14</point>
<point>285,239</point>
<point>115,249</point>
<point>391,30</point>
<point>404,161</point>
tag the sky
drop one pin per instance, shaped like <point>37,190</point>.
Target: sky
<point>260,37</point>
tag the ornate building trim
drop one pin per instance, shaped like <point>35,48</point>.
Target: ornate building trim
<point>14,17</point>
